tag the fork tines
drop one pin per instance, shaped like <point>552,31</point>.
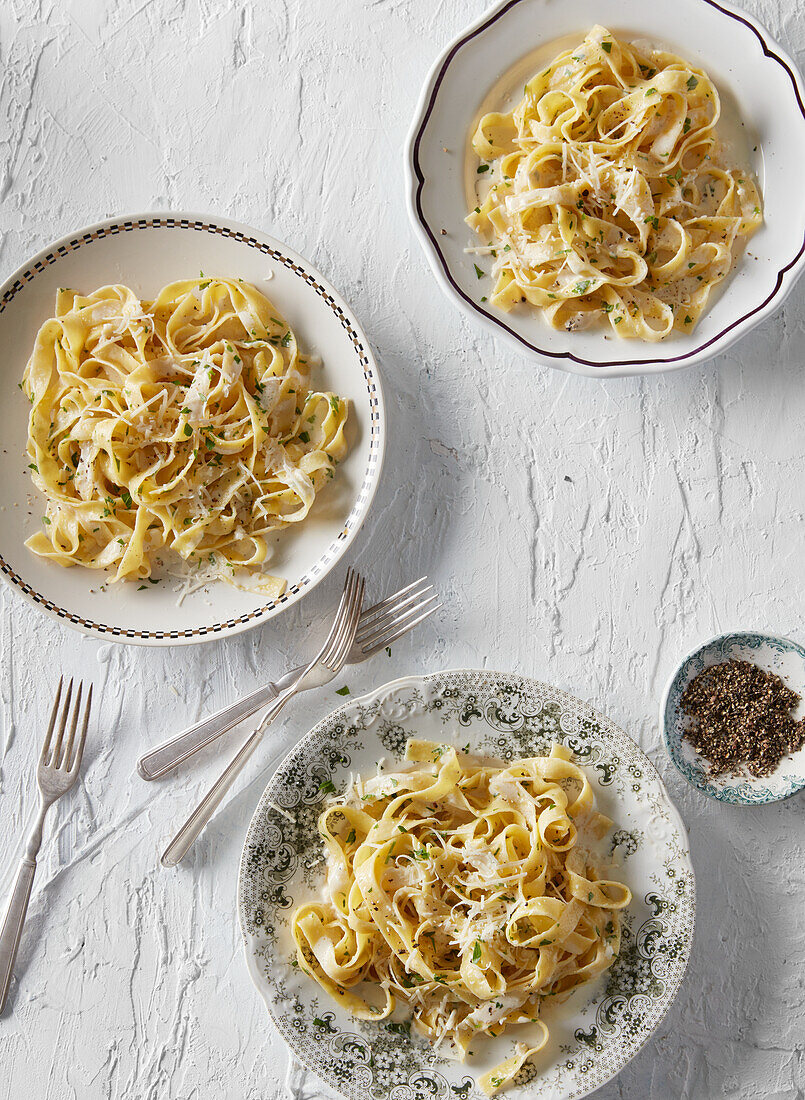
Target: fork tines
<point>66,756</point>
<point>389,620</point>
<point>348,616</point>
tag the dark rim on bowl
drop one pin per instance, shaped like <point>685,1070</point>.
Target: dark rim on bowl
<point>567,355</point>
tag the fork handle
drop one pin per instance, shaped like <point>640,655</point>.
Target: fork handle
<point>17,909</point>
<point>172,752</point>
<point>12,924</point>
<point>186,836</point>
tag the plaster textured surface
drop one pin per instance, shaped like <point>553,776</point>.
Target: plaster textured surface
<point>588,534</point>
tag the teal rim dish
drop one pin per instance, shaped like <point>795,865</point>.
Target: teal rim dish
<point>780,655</point>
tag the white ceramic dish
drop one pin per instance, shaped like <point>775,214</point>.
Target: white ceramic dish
<point>759,85</point>
<point>146,252</point>
<point>778,655</point>
<point>508,717</point>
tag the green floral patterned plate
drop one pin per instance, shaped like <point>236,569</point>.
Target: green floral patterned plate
<point>594,1034</point>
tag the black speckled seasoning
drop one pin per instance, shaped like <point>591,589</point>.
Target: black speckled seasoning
<point>741,718</point>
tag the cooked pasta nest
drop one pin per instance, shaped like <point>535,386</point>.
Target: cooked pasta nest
<point>606,197</point>
<point>186,424</point>
<point>465,891</point>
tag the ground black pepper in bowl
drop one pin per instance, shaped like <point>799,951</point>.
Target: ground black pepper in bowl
<point>741,719</point>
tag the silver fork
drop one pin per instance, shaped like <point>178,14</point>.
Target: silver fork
<point>56,773</point>
<point>332,655</point>
<point>379,626</point>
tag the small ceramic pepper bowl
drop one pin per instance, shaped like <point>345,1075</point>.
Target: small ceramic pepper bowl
<point>778,655</point>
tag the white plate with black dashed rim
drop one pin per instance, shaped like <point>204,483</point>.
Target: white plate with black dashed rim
<point>146,251</point>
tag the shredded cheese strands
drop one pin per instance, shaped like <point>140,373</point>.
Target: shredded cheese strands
<point>183,424</point>
<point>604,197</point>
<point>464,891</point>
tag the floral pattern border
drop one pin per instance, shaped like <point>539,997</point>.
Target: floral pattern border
<point>508,717</point>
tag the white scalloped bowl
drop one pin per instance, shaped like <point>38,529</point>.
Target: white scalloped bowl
<point>759,85</point>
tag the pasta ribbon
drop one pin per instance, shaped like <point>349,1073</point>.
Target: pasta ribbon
<point>605,195</point>
<point>466,892</point>
<point>185,425</point>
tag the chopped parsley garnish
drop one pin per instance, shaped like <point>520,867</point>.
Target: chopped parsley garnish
<point>606,47</point>
<point>476,952</point>
<point>343,691</point>
<point>482,168</point>
<point>327,787</point>
<point>478,272</point>
<point>692,82</point>
<point>686,127</point>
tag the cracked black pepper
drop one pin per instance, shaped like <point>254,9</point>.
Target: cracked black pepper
<point>741,718</point>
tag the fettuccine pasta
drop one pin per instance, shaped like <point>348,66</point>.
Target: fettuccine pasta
<point>467,892</point>
<point>185,424</point>
<point>606,195</point>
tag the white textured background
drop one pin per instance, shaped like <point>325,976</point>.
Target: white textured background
<point>587,534</point>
